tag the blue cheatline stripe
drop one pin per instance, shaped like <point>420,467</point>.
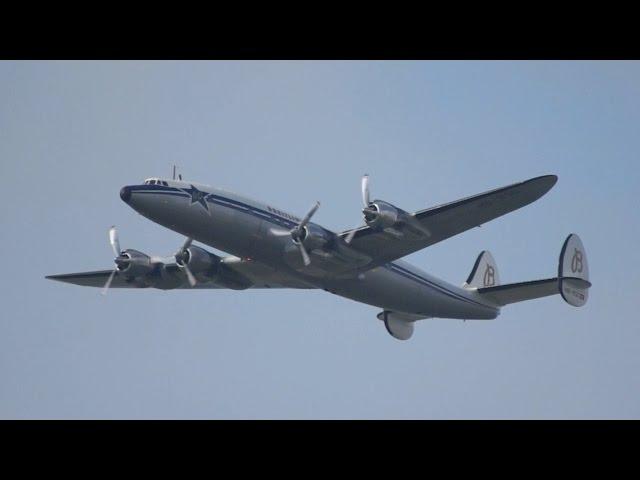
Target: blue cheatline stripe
<point>417,278</point>
<point>256,213</point>
<point>425,281</point>
<point>181,194</point>
<point>222,201</point>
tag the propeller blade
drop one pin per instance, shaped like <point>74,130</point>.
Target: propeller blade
<point>190,277</point>
<point>351,234</point>
<point>180,257</point>
<point>114,241</point>
<point>305,255</point>
<point>108,283</point>
<point>187,244</point>
<point>308,216</point>
<point>279,233</point>
<point>365,190</point>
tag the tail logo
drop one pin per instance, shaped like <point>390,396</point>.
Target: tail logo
<point>489,279</point>
<point>576,261</point>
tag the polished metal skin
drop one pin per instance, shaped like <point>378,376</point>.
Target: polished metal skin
<point>271,248</point>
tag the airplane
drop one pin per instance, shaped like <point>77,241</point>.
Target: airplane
<point>271,248</point>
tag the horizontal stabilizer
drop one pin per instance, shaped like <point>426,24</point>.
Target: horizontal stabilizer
<point>519,292</point>
<point>572,281</point>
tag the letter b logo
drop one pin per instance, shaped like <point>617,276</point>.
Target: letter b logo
<point>576,261</point>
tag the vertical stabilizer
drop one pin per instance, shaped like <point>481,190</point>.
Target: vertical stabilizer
<point>484,272</point>
<point>573,272</point>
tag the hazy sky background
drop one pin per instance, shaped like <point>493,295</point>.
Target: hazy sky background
<point>289,133</point>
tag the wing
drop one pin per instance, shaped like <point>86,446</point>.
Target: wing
<point>236,274</point>
<point>94,279</point>
<point>447,220</point>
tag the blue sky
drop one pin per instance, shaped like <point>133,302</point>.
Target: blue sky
<point>290,133</point>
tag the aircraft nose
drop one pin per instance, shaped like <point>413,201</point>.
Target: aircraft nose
<point>125,194</point>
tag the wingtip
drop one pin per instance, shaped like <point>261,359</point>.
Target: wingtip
<point>547,182</point>
<point>549,178</point>
<point>552,179</point>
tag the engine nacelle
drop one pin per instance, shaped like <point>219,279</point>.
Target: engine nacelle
<point>134,263</point>
<point>381,214</point>
<point>202,264</point>
<point>315,237</point>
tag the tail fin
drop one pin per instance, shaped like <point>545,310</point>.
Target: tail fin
<point>484,272</point>
<point>572,281</point>
<point>573,272</point>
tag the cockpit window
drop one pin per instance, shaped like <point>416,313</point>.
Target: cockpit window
<point>155,181</point>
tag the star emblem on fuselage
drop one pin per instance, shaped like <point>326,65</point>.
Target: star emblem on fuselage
<point>197,196</point>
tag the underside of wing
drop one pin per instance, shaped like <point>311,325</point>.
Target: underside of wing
<point>94,279</point>
<point>234,273</point>
<point>447,220</point>
<point>261,275</point>
<point>99,278</point>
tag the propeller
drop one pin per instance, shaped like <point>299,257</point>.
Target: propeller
<point>105,289</point>
<point>368,210</point>
<point>365,190</point>
<point>121,260</point>
<point>115,246</point>
<point>297,233</point>
<point>114,241</point>
<point>182,257</point>
<point>370,213</point>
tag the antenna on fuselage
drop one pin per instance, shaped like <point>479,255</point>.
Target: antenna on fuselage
<point>174,174</point>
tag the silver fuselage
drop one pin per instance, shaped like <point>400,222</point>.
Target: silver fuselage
<point>243,227</point>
